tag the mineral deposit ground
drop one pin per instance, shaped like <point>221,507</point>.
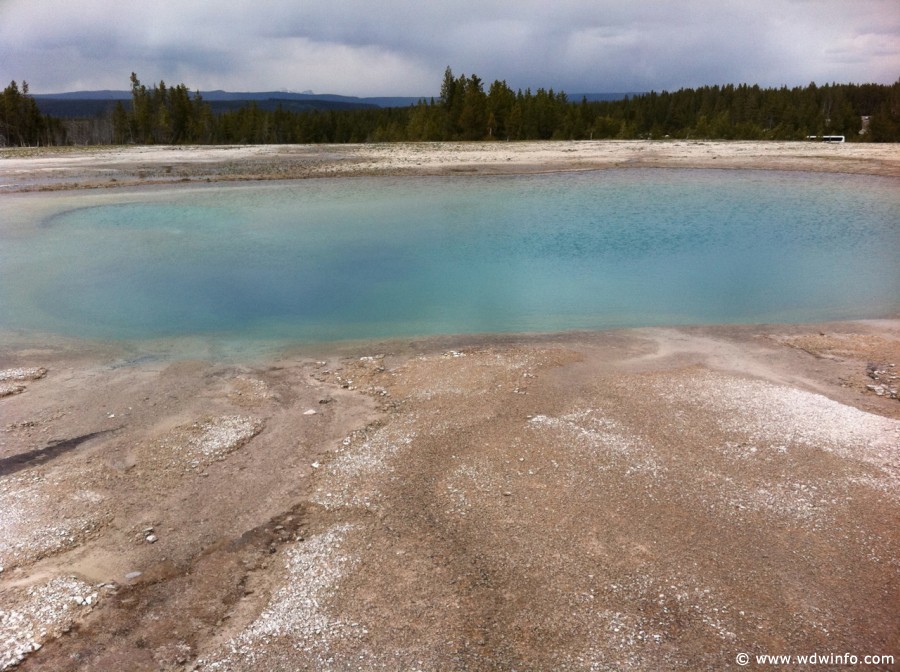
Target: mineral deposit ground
<point>647,499</point>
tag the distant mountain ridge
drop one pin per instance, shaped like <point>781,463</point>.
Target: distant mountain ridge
<point>92,103</point>
<point>73,104</point>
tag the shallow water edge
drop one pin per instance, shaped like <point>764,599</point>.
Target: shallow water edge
<point>20,349</point>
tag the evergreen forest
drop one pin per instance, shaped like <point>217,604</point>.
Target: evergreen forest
<point>468,109</point>
<point>21,122</point>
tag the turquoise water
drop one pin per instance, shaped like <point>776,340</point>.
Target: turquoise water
<point>357,258</point>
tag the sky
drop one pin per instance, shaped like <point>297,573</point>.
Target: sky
<point>401,47</point>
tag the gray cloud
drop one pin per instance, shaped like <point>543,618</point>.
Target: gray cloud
<point>395,47</point>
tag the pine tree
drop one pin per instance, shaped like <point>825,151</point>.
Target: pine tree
<point>21,122</point>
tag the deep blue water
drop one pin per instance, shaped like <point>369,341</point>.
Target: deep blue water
<point>321,260</point>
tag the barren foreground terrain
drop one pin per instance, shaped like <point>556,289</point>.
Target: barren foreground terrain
<point>649,499</point>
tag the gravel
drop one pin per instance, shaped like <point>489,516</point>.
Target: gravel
<point>35,615</point>
<point>785,416</point>
<point>22,374</point>
<point>210,440</point>
<point>31,527</point>
<point>350,479</point>
<point>296,616</point>
<point>591,431</point>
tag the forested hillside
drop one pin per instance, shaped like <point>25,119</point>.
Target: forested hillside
<point>467,110</point>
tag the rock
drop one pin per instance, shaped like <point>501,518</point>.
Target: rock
<point>151,538</point>
<point>132,575</point>
<point>309,411</point>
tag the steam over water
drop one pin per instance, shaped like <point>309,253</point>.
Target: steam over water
<point>321,260</point>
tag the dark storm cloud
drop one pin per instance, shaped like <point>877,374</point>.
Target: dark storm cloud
<point>401,48</point>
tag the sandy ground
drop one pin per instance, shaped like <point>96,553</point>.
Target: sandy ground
<point>69,168</point>
<point>646,499</point>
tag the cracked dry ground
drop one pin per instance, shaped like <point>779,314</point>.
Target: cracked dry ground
<point>658,499</point>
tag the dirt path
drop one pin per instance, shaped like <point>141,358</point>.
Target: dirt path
<point>650,499</point>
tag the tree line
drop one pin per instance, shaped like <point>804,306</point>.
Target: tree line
<point>21,122</point>
<point>468,110</point>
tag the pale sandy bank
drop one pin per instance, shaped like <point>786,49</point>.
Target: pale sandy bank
<point>68,168</point>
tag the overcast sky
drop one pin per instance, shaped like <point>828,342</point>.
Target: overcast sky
<point>398,47</point>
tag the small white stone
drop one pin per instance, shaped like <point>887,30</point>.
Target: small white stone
<point>309,412</point>
<point>151,538</point>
